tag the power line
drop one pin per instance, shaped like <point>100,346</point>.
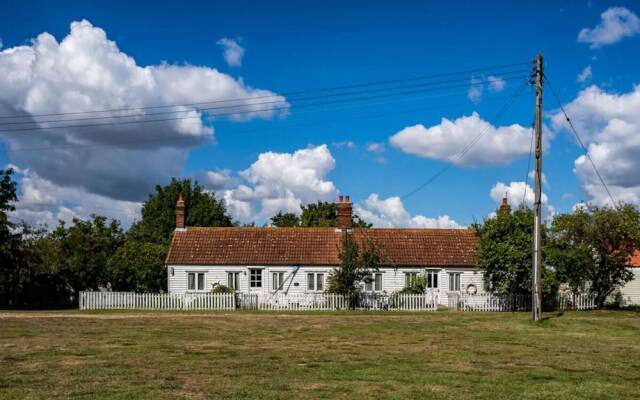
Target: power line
<point>209,115</point>
<point>383,82</point>
<point>504,77</point>
<point>581,143</point>
<point>198,139</point>
<point>458,156</point>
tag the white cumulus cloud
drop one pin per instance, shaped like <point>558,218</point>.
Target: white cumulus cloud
<point>390,212</point>
<point>232,51</point>
<point>518,193</point>
<point>499,145</point>
<point>616,23</point>
<point>282,182</point>
<point>84,72</point>
<point>42,203</point>
<point>609,124</point>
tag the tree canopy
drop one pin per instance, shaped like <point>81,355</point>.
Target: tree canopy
<point>138,267</point>
<point>590,248</point>
<point>159,211</point>
<point>319,214</point>
<point>357,265</point>
<point>505,249</point>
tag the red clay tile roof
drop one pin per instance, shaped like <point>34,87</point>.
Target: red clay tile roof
<point>635,260</point>
<point>319,246</point>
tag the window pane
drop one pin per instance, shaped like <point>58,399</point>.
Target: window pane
<point>435,280</point>
<point>451,282</point>
<point>319,282</point>
<point>230,280</point>
<point>368,285</point>
<point>200,281</point>
<point>457,282</point>
<point>236,280</point>
<point>191,281</point>
<point>255,278</point>
<point>310,282</point>
<point>378,282</point>
<point>280,279</point>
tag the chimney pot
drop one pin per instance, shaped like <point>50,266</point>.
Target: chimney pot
<point>505,207</point>
<point>340,199</point>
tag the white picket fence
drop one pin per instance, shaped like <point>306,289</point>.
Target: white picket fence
<point>488,302</point>
<point>245,301</point>
<point>293,301</point>
<point>579,302</point>
<point>321,301</point>
<point>397,302</point>
<point>156,301</point>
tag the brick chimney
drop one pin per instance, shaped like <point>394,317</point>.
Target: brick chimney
<point>505,208</point>
<point>344,218</point>
<point>180,221</point>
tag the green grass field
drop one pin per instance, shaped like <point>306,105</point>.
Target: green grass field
<point>118,355</point>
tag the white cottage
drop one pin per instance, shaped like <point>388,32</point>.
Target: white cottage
<point>299,260</point>
<point>268,261</point>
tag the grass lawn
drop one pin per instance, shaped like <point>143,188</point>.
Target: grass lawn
<point>118,355</point>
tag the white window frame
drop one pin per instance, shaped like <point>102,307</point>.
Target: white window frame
<point>408,280</point>
<point>196,280</point>
<point>275,277</point>
<point>236,285</point>
<point>432,273</point>
<point>251,286</point>
<point>455,279</point>
<point>317,277</point>
<point>373,285</point>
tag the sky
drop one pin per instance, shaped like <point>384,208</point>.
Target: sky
<point>241,91</point>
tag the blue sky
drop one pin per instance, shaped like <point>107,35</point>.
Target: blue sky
<point>293,46</point>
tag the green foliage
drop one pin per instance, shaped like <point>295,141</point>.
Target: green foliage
<point>159,216</point>
<point>506,253</point>
<point>138,267</point>
<point>85,248</point>
<point>11,245</point>
<point>320,214</point>
<point>590,248</point>
<point>417,285</point>
<point>285,220</point>
<point>357,265</point>
<point>222,289</point>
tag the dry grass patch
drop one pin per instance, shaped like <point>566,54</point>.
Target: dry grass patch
<point>312,356</point>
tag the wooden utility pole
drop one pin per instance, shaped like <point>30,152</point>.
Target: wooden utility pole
<point>536,307</point>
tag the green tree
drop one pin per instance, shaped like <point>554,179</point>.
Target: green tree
<point>505,253</point>
<point>159,216</point>
<point>86,246</point>
<point>285,220</point>
<point>356,267</point>
<point>590,248</point>
<point>319,214</point>
<point>10,243</point>
<point>43,283</point>
<point>138,267</point>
